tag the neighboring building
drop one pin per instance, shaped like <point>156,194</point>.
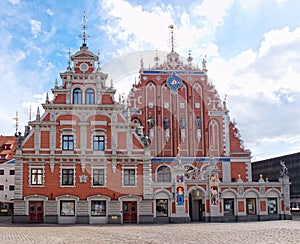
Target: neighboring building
<point>7,173</point>
<point>7,186</point>
<point>7,148</point>
<point>270,168</point>
<point>170,154</point>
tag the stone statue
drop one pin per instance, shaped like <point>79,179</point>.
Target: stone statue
<point>182,123</point>
<point>166,123</point>
<point>198,122</point>
<point>284,169</point>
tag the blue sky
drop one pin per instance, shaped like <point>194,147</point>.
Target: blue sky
<point>251,46</point>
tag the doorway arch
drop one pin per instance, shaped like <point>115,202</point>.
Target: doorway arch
<point>196,204</point>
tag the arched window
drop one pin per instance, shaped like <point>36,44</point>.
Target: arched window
<point>163,174</point>
<point>77,96</point>
<point>89,96</point>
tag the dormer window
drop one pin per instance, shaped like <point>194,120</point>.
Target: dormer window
<point>90,96</point>
<point>77,96</point>
<point>7,146</point>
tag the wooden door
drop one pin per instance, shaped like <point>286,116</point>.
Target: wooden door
<point>36,211</point>
<point>129,212</point>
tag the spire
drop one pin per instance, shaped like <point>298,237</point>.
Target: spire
<point>56,83</point>
<point>17,121</point>
<point>172,37</point>
<point>69,59</point>
<point>30,113</point>
<point>98,60</point>
<point>38,116</point>
<point>47,98</point>
<point>84,35</point>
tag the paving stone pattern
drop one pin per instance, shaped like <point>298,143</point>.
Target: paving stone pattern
<point>287,231</point>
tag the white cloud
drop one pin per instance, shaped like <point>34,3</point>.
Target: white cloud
<point>35,27</point>
<point>213,10</point>
<point>263,91</point>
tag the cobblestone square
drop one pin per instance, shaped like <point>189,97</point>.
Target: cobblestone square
<point>286,231</point>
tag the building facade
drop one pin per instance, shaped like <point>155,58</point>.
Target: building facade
<point>270,168</point>
<point>168,154</point>
<point>7,173</point>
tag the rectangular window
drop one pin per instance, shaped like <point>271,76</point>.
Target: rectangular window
<point>1,187</point>
<point>251,206</point>
<point>98,177</point>
<point>228,206</point>
<point>272,205</point>
<point>98,208</point>
<point>12,172</point>
<point>67,142</point>
<point>36,177</point>
<point>1,171</point>
<point>129,177</point>
<point>67,208</point>
<point>67,177</point>
<point>162,208</point>
<point>11,187</point>
<point>99,143</point>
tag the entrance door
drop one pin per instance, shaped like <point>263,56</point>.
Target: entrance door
<point>195,208</point>
<point>36,211</point>
<point>129,212</point>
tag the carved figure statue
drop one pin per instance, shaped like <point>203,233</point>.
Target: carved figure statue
<point>198,122</point>
<point>182,123</point>
<point>284,169</point>
<point>166,123</point>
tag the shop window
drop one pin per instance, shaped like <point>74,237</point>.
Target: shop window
<point>98,177</point>
<point>98,208</point>
<point>67,208</point>
<point>77,96</point>
<point>229,206</point>
<point>90,96</point>
<point>164,174</point>
<point>67,142</point>
<point>99,143</point>
<point>272,205</point>
<point>129,177</point>
<point>67,177</point>
<point>36,177</point>
<point>251,206</point>
<point>161,208</point>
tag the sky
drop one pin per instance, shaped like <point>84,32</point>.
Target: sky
<point>251,47</point>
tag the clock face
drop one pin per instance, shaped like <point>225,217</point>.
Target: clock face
<point>174,82</point>
<point>83,67</point>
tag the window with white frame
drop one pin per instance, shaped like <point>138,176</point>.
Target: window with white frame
<point>77,96</point>
<point>129,176</point>
<point>98,142</point>
<point>67,142</point>
<point>90,96</point>
<point>36,176</point>
<point>98,177</point>
<point>68,176</point>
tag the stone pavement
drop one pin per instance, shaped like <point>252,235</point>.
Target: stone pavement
<point>285,231</point>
